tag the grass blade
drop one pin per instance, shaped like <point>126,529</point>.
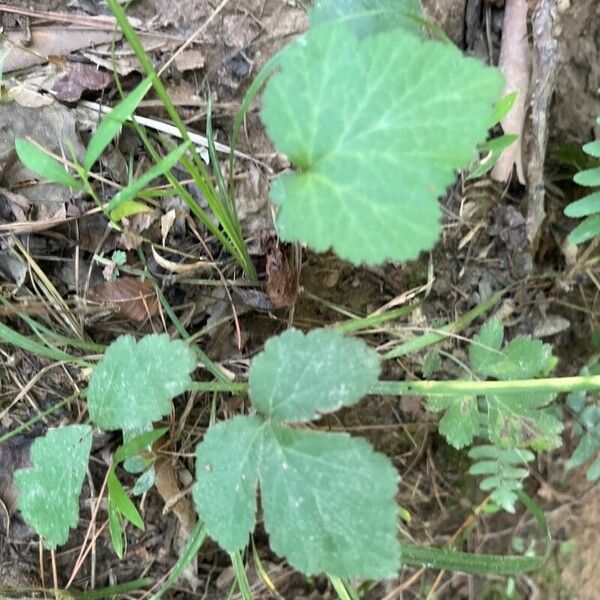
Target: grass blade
<point>129,192</point>
<point>111,124</point>
<point>36,160</point>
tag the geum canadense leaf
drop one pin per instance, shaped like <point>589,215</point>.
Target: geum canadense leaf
<point>49,490</point>
<point>375,130</point>
<point>328,499</point>
<point>299,376</point>
<point>366,17</point>
<point>135,382</point>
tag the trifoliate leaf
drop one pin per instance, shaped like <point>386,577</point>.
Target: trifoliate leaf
<point>522,358</point>
<point>49,490</point>
<point>328,502</point>
<point>297,376</point>
<point>135,382</point>
<point>375,130</point>
<point>460,423</point>
<point>366,17</point>
<point>328,499</point>
<point>226,480</point>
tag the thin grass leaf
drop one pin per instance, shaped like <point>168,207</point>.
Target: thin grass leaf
<point>137,444</point>
<point>111,124</point>
<point>241,578</point>
<point>503,107</point>
<point>192,546</point>
<point>129,192</point>
<point>39,162</point>
<point>116,530</point>
<point>121,501</point>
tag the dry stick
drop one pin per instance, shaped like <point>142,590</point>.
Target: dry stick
<point>546,57</point>
<point>84,552</point>
<point>54,572</point>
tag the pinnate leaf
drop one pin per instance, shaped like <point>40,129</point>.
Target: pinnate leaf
<point>298,376</point>
<point>375,129</point>
<point>460,422</point>
<point>522,358</point>
<point>49,490</point>
<point>135,382</point>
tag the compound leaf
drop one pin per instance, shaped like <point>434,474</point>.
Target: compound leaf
<point>587,427</point>
<point>522,358</point>
<point>460,423</point>
<point>135,382</point>
<point>328,502</point>
<point>366,17</point>
<point>49,490</point>
<point>504,470</point>
<point>227,477</point>
<point>520,420</point>
<point>376,129</point>
<point>299,376</point>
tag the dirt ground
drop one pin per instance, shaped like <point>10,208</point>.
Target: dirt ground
<point>484,248</point>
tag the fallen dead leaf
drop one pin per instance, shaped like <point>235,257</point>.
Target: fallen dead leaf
<point>135,299</point>
<point>80,78</point>
<point>47,42</point>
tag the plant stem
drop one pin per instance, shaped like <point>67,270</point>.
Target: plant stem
<point>475,388</point>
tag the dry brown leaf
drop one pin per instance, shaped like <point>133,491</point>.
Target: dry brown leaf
<point>78,79</point>
<point>135,299</point>
<point>48,41</point>
<point>180,267</point>
<point>167,486</point>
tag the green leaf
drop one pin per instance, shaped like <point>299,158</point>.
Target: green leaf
<point>118,497</point>
<point>520,420</point>
<point>588,205</point>
<point>366,17</point>
<point>111,124</point>
<point>135,187</point>
<point>128,209</point>
<point>504,470</point>
<point>341,495</point>
<point>587,414</point>
<point>328,499</point>
<point>49,490</point>
<point>298,377</point>
<point>135,382</point>
<point>592,148</point>
<point>503,107</point>
<point>589,177</point>
<point>39,162</point>
<point>144,482</point>
<point>522,358</point>
<point>588,229</point>
<point>227,478</point>
<point>375,130</point>
<point>117,535</point>
<point>460,423</point>
<point>135,442</point>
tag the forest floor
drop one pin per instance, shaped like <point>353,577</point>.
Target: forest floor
<point>58,265</point>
